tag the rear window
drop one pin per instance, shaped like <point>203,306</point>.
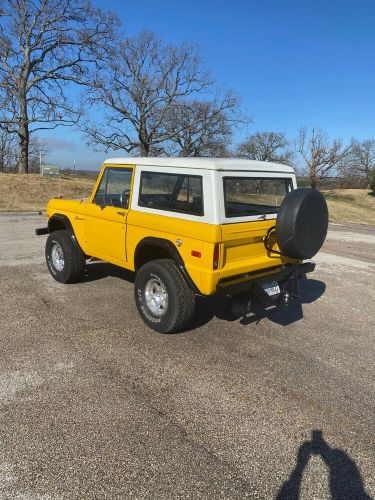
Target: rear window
<point>172,192</point>
<point>254,196</point>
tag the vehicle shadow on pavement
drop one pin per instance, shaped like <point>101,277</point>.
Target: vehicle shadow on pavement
<point>98,270</point>
<point>219,306</point>
<point>253,312</point>
<point>345,480</point>
<point>311,290</point>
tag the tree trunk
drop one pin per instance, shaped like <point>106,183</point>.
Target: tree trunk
<point>314,180</point>
<point>23,161</point>
<point>24,138</point>
<point>186,148</point>
<point>145,149</point>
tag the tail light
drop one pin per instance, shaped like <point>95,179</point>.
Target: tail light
<point>215,262</point>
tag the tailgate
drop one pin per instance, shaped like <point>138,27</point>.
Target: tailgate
<point>243,248</point>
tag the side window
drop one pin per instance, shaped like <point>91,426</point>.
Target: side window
<point>173,192</point>
<point>114,188</point>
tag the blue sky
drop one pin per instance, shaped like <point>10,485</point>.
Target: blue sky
<point>293,62</point>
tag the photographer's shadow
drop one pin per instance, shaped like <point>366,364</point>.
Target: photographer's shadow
<point>345,480</point>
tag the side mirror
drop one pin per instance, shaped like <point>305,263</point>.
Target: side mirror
<point>100,202</point>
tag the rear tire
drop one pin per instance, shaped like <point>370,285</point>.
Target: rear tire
<point>164,300</point>
<point>65,260</point>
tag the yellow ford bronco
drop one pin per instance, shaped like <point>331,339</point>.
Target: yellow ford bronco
<point>188,227</point>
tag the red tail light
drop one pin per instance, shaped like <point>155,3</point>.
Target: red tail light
<point>215,262</point>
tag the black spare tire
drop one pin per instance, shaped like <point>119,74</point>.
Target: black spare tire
<point>302,223</point>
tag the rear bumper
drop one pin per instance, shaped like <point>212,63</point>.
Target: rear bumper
<point>248,281</point>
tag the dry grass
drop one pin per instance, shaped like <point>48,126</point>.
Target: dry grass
<point>32,192</point>
<point>355,206</point>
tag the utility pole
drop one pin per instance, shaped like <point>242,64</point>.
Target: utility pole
<point>74,169</point>
<point>40,164</point>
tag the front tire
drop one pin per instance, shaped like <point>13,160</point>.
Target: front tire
<point>164,300</point>
<point>65,260</point>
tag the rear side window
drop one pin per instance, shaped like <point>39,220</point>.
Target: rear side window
<point>173,192</point>
<point>254,196</point>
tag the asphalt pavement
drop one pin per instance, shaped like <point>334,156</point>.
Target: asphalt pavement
<point>94,405</point>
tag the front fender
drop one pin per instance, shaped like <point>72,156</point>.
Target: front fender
<point>58,222</point>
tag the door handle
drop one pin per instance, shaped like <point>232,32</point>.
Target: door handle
<point>122,213</point>
<point>77,217</point>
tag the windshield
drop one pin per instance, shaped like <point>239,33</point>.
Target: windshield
<point>254,196</point>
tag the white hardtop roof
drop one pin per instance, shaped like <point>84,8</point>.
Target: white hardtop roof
<point>225,164</point>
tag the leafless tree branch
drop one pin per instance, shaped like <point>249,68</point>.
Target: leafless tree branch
<point>359,163</point>
<point>138,87</point>
<point>267,146</point>
<point>321,157</point>
<point>46,45</point>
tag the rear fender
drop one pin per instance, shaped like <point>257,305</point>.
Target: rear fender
<point>169,250</point>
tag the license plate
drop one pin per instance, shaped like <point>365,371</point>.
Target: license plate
<point>271,288</point>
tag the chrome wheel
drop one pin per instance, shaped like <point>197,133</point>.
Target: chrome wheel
<point>156,297</point>
<point>57,257</point>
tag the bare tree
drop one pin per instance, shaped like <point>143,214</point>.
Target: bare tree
<point>321,157</point>
<point>202,128</point>
<point>359,163</point>
<point>7,151</point>
<point>44,46</point>
<point>38,148</point>
<point>140,84</point>
<point>266,146</point>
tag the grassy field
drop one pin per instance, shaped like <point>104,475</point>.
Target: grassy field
<point>355,206</point>
<point>31,192</point>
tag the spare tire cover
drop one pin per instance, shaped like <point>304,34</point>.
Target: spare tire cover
<point>302,223</point>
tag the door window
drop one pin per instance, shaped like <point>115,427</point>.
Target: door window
<point>114,188</point>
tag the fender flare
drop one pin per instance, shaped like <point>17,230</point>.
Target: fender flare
<point>61,218</point>
<point>171,250</point>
